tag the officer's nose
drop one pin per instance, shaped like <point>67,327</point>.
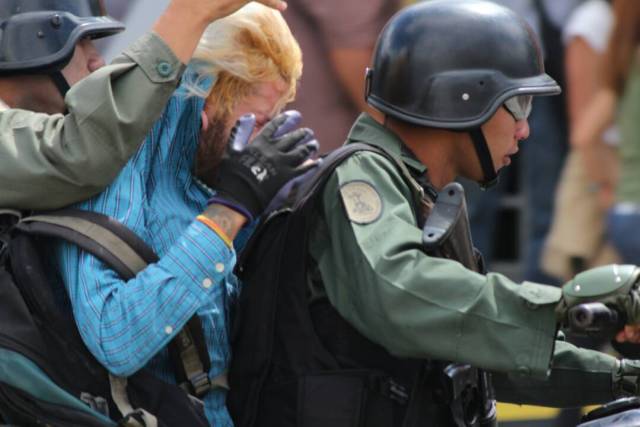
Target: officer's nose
<point>522,129</point>
<point>95,60</point>
<point>96,63</point>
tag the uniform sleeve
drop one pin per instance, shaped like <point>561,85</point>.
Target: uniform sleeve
<point>124,324</point>
<point>378,277</point>
<point>49,161</point>
<point>578,377</point>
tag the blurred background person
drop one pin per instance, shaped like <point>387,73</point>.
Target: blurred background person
<point>543,153</point>
<point>577,238</point>
<point>619,101</point>
<point>336,38</point>
<point>138,16</point>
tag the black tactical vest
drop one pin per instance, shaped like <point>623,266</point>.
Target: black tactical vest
<point>297,363</point>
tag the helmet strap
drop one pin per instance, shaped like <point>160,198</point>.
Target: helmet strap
<point>484,156</point>
<point>60,82</point>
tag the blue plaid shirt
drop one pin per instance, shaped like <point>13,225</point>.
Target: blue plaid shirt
<point>128,324</point>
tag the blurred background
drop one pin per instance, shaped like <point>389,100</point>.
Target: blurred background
<point>570,200</point>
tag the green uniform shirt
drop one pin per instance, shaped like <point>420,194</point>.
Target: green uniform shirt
<point>49,161</point>
<point>629,183</point>
<point>376,274</point>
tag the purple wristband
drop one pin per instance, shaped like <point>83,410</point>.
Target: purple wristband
<point>231,205</point>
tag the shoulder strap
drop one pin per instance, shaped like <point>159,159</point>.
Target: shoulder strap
<point>335,158</point>
<point>103,237</point>
<point>308,191</point>
<point>127,254</point>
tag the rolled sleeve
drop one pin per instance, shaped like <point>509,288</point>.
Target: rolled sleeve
<point>126,323</point>
<point>205,257</point>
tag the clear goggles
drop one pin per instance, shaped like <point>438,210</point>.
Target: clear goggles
<point>519,106</point>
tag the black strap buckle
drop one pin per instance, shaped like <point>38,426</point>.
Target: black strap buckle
<point>8,219</point>
<point>388,387</point>
<point>97,403</point>
<point>463,394</point>
<point>197,385</point>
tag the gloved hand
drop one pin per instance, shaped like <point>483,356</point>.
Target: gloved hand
<point>613,285</point>
<point>625,378</point>
<point>250,174</point>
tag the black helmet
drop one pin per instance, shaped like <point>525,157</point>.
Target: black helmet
<point>452,64</point>
<point>41,35</point>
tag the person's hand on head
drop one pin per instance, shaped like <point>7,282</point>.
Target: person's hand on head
<point>216,9</point>
<point>184,21</point>
<point>250,174</point>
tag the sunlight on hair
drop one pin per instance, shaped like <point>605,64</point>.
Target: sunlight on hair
<point>251,46</point>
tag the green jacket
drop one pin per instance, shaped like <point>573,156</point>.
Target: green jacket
<point>372,267</point>
<point>49,161</point>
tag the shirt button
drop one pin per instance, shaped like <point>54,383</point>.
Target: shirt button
<point>220,267</point>
<point>164,69</point>
<point>168,329</point>
<point>206,283</point>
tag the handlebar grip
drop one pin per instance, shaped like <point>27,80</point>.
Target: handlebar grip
<point>594,319</point>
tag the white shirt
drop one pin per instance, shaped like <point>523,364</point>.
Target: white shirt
<point>557,10</point>
<point>593,21</point>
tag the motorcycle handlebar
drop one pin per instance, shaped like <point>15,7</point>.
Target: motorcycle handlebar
<point>594,319</point>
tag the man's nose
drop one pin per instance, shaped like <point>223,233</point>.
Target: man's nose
<point>522,129</point>
<point>95,59</point>
<point>95,63</point>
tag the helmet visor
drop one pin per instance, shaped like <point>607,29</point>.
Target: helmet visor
<point>519,106</point>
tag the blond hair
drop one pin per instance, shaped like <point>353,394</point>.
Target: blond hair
<point>251,46</point>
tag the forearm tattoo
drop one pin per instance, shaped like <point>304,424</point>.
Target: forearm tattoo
<point>227,219</point>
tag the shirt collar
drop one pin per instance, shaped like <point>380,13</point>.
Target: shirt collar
<point>366,129</point>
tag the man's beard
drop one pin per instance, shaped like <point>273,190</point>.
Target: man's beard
<point>213,142</point>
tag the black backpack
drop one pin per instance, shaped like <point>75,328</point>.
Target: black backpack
<point>47,375</point>
<point>283,372</point>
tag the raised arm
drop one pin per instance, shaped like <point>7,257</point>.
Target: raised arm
<point>51,161</point>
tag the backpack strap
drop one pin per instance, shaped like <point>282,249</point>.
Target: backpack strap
<point>96,239</point>
<point>127,254</point>
<point>310,188</point>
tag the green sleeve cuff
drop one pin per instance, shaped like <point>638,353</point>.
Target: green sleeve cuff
<point>155,58</point>
<point>578,377</point>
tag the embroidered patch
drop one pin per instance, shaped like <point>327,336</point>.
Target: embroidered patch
<point>361,201</point>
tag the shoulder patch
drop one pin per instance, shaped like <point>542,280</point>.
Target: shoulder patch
<point>361,201</point>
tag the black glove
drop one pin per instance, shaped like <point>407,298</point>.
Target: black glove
<point>250,174</point>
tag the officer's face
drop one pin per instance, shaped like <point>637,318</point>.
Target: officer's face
<point>503,132</point>
<point>86,59</point>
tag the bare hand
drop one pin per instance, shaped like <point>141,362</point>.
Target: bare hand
<point>184,21</point>
<point>630,334</point>
<point>216,9</point>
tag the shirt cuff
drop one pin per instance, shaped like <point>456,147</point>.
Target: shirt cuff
<point>204,259</point>
<point>156,59</point>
